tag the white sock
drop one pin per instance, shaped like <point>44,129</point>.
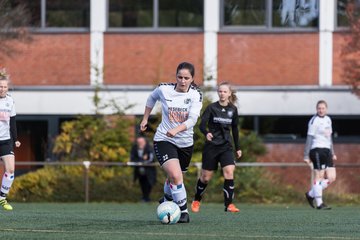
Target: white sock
<point>167,190</point>
<point>311,192</point>
<point>325,183</point>
<point>178,193</point>
<point>318,193</point>
<point>7,181</point>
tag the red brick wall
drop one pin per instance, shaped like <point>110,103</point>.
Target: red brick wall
<point>269,59</point>
<point>51,59</point>
<point>338,44</point>
<point>299,177</point>
<point>150,58</point>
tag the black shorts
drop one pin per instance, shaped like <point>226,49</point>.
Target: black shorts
<point>214,154</point>
<point>321,158</point>
<point>166,150</point>
<point>6,148</point>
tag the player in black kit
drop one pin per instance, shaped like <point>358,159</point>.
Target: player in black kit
<point>216,122</point>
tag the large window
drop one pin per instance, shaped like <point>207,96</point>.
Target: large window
<point>155,13</point>
<point>294,128</point>
<point>57,13</point>
<point>280,14</point>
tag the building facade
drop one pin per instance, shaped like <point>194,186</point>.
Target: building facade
<point>281,56</point>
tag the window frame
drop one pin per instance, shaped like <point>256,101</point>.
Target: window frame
<point>44,29</point>
<point>155,27</point>
<point>267,27</point>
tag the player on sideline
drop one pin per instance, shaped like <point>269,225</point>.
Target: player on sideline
<point>8,138</point>
<point>181,103</point>
<point>319,149</point>
<point>216,122</point>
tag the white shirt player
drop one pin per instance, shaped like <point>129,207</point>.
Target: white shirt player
<point>177,108</point>
<point>321,129</point>
<point>7,110</point>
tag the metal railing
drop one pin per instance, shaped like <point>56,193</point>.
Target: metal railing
<point>88,164</point>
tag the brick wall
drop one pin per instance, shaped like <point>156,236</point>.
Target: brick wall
<point>269,59</point>
<point>150,58</point>
<point>51,59</point>
<point>338,44</point>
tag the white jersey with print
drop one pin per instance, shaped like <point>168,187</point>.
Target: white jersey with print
<point>7,110</point>
<point>321,129</point>
<point>177,108</point>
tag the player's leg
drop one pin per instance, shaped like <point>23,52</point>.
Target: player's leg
<point>165,151</point>
<point>179,191</point>
<point>227,162</point>
<point>209,165</point>
<point>330,172</point>
<point>200,188</point>
<point>315,193</point>
<point>7,180</point>
<point>229,188</point>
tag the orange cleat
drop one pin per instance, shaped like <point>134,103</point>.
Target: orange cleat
<point>195,206</point>
<point>232,208</point>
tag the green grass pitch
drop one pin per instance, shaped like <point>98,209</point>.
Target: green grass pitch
<point>138,221</point>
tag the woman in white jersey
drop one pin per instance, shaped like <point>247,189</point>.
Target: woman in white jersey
<point>319,149</point>
<point>181,103</point>
<point>8,138</point>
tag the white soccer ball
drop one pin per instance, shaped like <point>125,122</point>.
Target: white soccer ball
<point>168,212</point>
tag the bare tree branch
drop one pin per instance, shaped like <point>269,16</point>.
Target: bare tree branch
<point>14,21</point>
<point>351,49</point>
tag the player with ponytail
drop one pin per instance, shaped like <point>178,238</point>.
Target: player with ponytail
<point>218,119</point>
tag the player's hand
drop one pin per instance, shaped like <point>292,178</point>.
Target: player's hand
<point>334,157</point>
<point>309,163</point>
<point>143,125</point>
<point>171,133</point>
<point>238,154</point>
<point>209,137</point>
<point>17,144</point>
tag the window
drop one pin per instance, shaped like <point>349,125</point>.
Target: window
<point>245,12</point>
<point>180,13</point>
<point>279,14</point>
<point>341,17</point>
<point>155,14</point>
<point>67,13</point>
<point>57,13</point>
<point>130,13</point>
<point>294,128</point>
<point>291,13</point>
<point>33,7</point>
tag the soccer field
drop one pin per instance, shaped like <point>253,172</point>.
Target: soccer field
<point>138,221</point>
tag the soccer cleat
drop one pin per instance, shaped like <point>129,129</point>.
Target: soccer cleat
<point>231,208</point>
<point>6,205</point>
<point>184,218</point>
<point>195,206</point>
<point>323,207</point>
<point>310,200</point>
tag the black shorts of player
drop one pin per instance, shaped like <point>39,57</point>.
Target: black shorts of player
<point>321,158</point>
<point>6,148</point>
<point>166,150</point>
<point>213,154</point>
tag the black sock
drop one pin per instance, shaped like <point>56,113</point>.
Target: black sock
<point>228,191</point>
<point>2,194</point>
<point>200,189</point>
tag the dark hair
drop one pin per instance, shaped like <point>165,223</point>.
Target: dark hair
<point>233,98</point>
<point>188,66</point>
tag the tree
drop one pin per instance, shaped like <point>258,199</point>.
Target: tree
<point>351,50</point>
<point>14,19</point>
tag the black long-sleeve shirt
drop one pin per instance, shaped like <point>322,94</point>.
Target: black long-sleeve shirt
<point>219,120</point>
